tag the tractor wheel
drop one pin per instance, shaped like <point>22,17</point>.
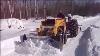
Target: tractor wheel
<point>61,34</point>
<point>73,28</point>
<point>60,42</point>
<point>65,39</point>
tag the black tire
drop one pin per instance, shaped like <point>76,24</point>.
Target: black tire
<point>65,39</point>
<point>73,28</point>
<point>61,43</point>
<point>60,33</point>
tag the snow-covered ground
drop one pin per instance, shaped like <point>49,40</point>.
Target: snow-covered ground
<point>86,43</point>
<point>94,41</point>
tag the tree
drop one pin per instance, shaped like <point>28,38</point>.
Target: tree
<point>20,11</point>
<point>11,7</point>
<point>30,8</point>
<point>3,8</point>
<point>44,5</point>
<point>36,9</point>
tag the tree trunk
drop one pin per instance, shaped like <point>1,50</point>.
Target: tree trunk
<point>30,8</point>
<point>26,11</point>
<point>20,14</point>
<point>44,9</point>
<point>4,15</point>
<point>11,15</point>
<point>36,9</point>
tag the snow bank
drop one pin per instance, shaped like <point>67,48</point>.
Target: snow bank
<point>15,23</point>
<point>94,43</point>
<point>35,48</point>
<point>78,17</point>
<point>3,24</point>
<point>8,46</point>
<point>89,21</point>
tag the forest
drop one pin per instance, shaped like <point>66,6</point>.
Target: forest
<point>42,8</point>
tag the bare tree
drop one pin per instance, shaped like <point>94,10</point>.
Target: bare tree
<point>20,11</point>
<point>44,4</point>
<point>3,8</point>
<point>36,9</point>
<point>11,8</point>
<point>26,9</point>
<point>30,8</point>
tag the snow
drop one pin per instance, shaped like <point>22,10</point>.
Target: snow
<point>69,49</point>
<point>94,43</point>
<point>15,23</point>
<point>86,43</point>
<point>50,17</point>
<point>8,46</point>
<point>15,30</point>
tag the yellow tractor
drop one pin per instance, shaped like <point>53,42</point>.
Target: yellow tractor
<point>58,29</point>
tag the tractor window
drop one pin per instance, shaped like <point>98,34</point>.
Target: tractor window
<point>48,22</point>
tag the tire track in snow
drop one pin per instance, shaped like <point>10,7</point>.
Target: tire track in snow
<point>82,49</point>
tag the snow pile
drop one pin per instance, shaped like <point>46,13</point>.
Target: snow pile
<point>8,46</point>
<point>50,17</point>
<point>13,22</point>
<point>35,48</point>
<point>78,17</point>
<point>4,24</point>
<point>94,44</point>
<point>89,21</point>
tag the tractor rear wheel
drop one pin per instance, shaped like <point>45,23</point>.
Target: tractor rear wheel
<point>73,28</point>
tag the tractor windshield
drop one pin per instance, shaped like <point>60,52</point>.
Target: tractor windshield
<point>48,22</point>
